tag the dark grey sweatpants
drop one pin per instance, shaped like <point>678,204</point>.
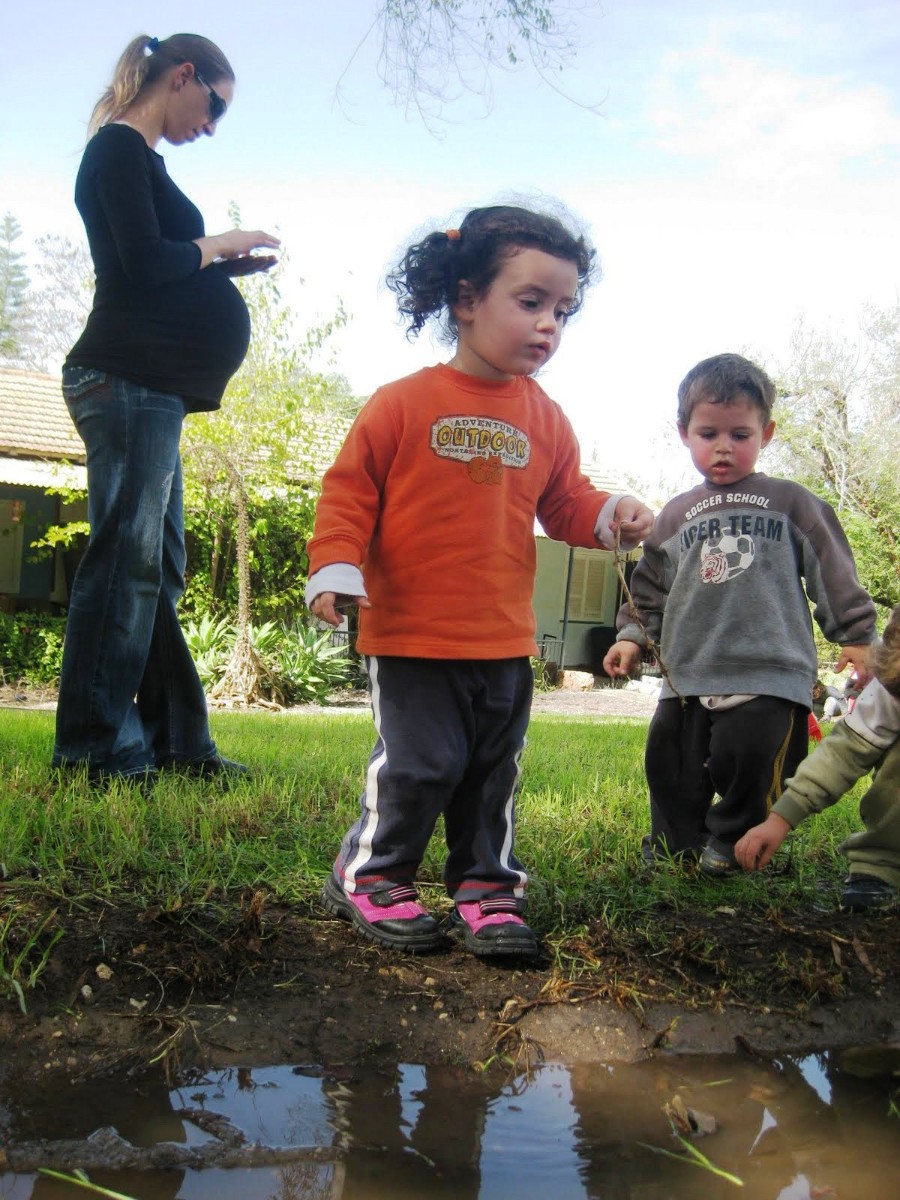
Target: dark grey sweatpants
<point>450,736</point>
<point>745,754</point>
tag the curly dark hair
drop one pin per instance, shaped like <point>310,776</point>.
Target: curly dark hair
<point>426,282</point>
<point>723,379</point>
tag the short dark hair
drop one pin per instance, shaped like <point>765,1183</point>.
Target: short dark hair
<point>426,281</point>
<point>723,379</point>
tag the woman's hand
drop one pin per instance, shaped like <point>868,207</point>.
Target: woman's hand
<point>248,265</point>
<point>235,244</point>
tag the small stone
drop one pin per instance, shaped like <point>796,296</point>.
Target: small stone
<point>104,972</point>
<point>577,681</point>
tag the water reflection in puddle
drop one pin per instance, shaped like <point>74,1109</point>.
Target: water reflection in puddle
<point>793,1130</point>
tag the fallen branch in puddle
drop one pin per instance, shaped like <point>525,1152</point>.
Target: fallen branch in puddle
<point>106,1150</point>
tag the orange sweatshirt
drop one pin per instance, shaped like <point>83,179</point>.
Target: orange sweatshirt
<point>434,495</point>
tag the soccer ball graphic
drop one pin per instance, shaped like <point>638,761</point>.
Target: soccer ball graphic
<point>724,557</point>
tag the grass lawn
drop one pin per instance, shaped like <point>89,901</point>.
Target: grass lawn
<point>581,812</point>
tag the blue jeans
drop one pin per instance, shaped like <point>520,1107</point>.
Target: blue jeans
<point>130,698</point>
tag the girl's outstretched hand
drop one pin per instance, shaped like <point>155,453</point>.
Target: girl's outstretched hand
<point>328,606</point>
<point>633,520</point>
<point>757,847</point>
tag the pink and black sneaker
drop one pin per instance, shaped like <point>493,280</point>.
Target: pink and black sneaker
<point>492,928</point>
<point>392,917</point>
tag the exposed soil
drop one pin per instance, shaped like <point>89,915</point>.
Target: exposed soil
<point>242,981</point>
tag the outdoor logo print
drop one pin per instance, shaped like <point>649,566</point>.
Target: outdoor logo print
<point>484,444</point>
<point>724,557</point>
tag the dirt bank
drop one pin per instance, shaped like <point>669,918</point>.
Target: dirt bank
<point>251,983</point>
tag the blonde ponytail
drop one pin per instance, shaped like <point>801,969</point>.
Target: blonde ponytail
<point>128,79</point>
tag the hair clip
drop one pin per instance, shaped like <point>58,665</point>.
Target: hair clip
<point>153,45</point>
<point>452,235</point>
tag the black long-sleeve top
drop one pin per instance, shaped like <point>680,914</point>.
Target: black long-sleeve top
<point>157,320</point>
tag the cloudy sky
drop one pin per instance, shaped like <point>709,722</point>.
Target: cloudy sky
<point>736,164</point>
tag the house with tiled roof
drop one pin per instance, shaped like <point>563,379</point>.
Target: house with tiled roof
<point>39,450</point>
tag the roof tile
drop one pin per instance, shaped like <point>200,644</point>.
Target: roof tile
<point>34,420</point>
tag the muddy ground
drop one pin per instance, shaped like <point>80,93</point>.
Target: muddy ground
<point>245,981</point>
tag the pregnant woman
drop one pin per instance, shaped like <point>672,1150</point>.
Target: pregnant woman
<point>167,330</point>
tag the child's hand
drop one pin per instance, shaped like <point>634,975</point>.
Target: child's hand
<point>757,847</point>
<point>633,520</point>
<point>856,657</point>
<point>622,658</point>
<point>326,606</point>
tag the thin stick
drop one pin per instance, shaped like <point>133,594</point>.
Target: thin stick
<point>636,617</point>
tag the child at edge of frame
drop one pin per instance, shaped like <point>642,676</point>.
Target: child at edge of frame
<point>426,522</point>
<point>867,738</point>
<point>723,589</point>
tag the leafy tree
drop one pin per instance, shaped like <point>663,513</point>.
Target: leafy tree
<point>13,287</point>
<point>252,468</point>
<point>839,431</point>
<point>57,304</point>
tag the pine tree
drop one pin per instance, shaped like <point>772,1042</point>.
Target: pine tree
<point>13,288</point>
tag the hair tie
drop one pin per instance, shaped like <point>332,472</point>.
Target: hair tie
<point>153,45</point>
<point>452,235</point>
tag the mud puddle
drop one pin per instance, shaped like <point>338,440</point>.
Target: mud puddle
<point>794,1128</point>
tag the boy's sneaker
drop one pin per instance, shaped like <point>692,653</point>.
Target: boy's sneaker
<point>716,864</point>
<point>392,917</point>
<point>493,928</point>
<point>865,893</point>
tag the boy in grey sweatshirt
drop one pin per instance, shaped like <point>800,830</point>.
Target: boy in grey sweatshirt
<point>723,590</point>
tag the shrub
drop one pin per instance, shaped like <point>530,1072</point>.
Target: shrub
<point>308,666</point>
<point>304,665</point>
<point>31,647</point>
<point>210,642</point>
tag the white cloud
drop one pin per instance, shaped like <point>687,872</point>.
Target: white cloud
<point>750,121</point>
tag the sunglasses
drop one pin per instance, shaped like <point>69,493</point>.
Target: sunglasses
<point>217,106</point>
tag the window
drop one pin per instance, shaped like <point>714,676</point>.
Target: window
<point>593,591</point>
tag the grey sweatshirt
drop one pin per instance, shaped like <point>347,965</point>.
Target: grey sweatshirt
<point>723,583</point>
